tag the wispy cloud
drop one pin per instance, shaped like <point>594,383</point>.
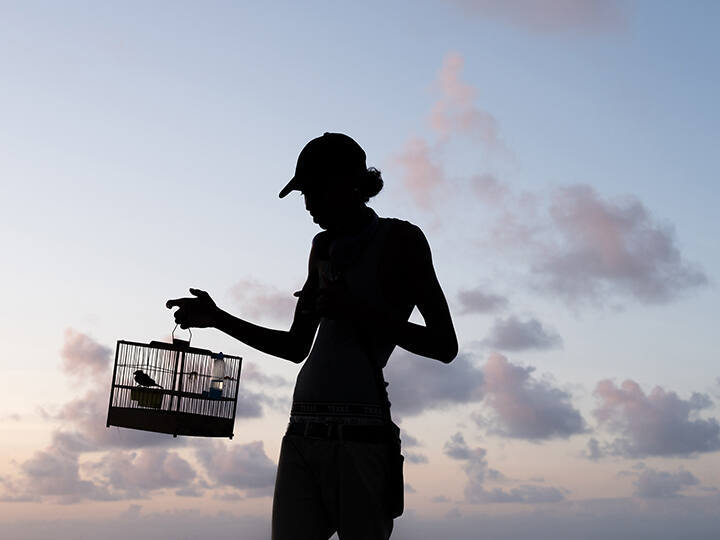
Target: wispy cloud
<point>550,16</point>
<point>454,115</point>
<point>456,111</point>
<point>260,300</point>
<point>478,472</point>
<point>514,334</point>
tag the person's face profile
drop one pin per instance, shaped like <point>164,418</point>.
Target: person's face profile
<point>328,202</point>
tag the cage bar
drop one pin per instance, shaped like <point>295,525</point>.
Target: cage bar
<point>176,397</point>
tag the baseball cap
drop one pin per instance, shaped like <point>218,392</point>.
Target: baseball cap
<point>331,156</point>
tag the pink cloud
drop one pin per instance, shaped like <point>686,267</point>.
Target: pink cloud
<point>526,407</point>
<point>422,177</point>
<point>455,112</point>
<point>603,247</point>
<point>548,16</point>
<point>656,424</point>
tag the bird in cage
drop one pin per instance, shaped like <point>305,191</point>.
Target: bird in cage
<point>143,379</point>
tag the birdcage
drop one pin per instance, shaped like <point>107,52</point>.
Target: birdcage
<point>174,388</point>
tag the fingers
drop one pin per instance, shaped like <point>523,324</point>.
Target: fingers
<point>177,302</point>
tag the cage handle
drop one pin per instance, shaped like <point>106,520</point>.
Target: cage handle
<point>177,341</point>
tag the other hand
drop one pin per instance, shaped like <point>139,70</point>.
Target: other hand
<point>198,312</point>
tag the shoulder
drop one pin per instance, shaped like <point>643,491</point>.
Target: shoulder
<point>401,230</point>
<point>406,239</point>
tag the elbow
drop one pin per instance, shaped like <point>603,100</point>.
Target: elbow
<point>297,354</point>
<point>448,356</point>
<point>449,352</point>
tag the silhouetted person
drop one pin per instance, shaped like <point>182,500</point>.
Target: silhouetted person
<point>339,468</point>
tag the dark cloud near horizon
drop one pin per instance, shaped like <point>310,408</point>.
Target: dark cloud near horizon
<point>478,472</point>
<point>654,484</point>
<point>656,424</point>
<point>513,334</point>
<point>525,407</point>
<point>418,384</point>
<point>245,467</point>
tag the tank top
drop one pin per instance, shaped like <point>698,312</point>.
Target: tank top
<point>338,381</point>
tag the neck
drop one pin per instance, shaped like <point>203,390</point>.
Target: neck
<point>354,222</point>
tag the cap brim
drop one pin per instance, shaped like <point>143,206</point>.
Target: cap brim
<point>292,185</point>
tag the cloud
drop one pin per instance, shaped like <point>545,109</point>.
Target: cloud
<point>550,16</point>
<point>416,458</point>
<point>478,472</point>
<point>262,301</point>
<point>601,248</point>
<point>455,112</point>
<point>653,484</point>
<point>418,384</point>
<point>85,358</point>
<point>245,467</point>
<point>252,373</point>
<point>525,407</point>
<point>55,472</point>
<point>489,189</point>
<point>422,177</point>
<point>593,452</point>
<point>480,301</point>
<point>656,424</point>
<point>135,474</point>
<point>513,334</point>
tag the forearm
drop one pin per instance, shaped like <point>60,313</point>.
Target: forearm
<point>278,343</point>
<point>423,341</point>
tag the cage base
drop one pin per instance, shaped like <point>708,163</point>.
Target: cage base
<point>171,422</point>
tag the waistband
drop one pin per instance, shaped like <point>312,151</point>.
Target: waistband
<point>343,432</point>
<point>328,410</point>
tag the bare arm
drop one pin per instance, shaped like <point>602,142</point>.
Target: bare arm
<point>437,339</point>
<point>293,344</point>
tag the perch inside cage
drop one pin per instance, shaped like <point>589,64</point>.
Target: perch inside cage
<point>174,388</point>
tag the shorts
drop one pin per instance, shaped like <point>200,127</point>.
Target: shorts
<point>324,486</point>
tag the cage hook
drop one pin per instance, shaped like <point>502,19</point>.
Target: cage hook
<point>173,334</point>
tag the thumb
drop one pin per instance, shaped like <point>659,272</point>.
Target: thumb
<point>199,293</point>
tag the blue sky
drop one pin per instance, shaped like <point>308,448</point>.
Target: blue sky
<point>142,150</point>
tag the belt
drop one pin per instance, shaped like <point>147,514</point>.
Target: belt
<point>341,432</point>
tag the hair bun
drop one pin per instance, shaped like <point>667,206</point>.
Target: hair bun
<point>370,183</point>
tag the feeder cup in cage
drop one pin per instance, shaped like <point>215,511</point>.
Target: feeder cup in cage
<point>174,388</point>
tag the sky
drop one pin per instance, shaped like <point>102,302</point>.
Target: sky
<point>560,157</point>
